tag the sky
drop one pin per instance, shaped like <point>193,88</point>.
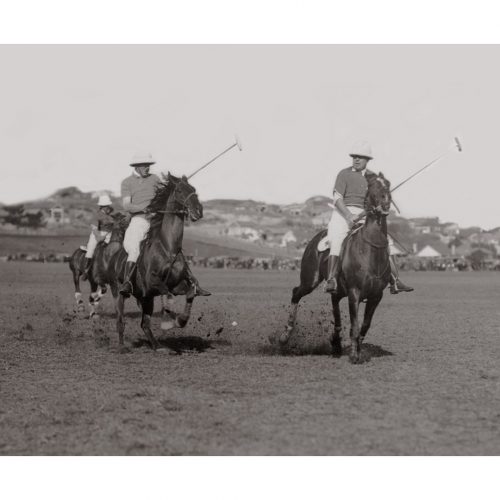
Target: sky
<point>73,115</point>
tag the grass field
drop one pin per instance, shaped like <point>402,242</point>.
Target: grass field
<point>430,383</point>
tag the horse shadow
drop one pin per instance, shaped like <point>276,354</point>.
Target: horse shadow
<point>368,351</point>
<point>183,344</point>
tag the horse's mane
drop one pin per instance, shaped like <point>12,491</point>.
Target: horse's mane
<point>163,191</point>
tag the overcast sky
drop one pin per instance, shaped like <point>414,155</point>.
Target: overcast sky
<point>74,115</point>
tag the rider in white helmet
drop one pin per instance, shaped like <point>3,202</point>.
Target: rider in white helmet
<point>348,197</point>
<point>138,190</point>
<point>100,232</point>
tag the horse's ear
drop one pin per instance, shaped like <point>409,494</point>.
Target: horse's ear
<point>380,174</point>
<point>184,178</point>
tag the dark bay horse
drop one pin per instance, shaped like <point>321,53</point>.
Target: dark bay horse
<point>161,267</point>
<point>98,275</point>
<point>363,270</point>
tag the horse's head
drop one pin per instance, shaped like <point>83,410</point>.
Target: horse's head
<point>185,198</point>
<point>378,198</point>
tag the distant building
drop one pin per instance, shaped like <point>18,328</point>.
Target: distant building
<point>57,216</point>
<point>288,238</point>
<point>428,251</point>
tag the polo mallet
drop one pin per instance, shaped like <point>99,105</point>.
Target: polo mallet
<point>456,146</point>
<point>237,143</point>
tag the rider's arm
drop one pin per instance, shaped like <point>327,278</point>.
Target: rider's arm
<point>131,207</point>
<point>345,212</point>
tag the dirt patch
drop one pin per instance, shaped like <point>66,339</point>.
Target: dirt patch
<point>429,384</point>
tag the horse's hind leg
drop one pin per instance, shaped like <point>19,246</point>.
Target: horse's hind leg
<point>120,322</point>
<point>371,305</point>
<point>94,299</point>
<point>80,306</point>
<point>335,339</point>
<point>353,296</point>
<point>297,293</point>
<point>147,305</point>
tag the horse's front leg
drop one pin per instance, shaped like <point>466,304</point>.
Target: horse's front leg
<point>182,318</point>
<point>147,305</point>
<point>335,339</point>
<point>371,305</point>
<point>353,296</point>
<point>120,321</point>
<point>168,320</point>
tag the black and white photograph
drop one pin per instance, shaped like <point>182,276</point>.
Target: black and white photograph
<point>249,250</point>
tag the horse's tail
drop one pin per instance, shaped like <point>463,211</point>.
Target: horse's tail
<point>312,266</point>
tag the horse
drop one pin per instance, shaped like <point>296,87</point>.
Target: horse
<point>363,271</point>
<point>161,268</point>
<point>98,274</point>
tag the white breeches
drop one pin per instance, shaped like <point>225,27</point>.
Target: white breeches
<point>92,243</point>
<point>135,233</point>
<point>338,229</point>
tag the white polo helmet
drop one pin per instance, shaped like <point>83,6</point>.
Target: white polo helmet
<point>361,148</point>
<point>104,200</point>
<point>142,159</point>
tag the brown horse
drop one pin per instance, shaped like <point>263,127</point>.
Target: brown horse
<point>161,267</point>
<point>98,274</point>
<point>363,270</point>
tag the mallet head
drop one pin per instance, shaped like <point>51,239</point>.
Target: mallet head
<point>238,143</point>
<point>457,143</point>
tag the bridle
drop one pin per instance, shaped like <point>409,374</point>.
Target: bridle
<point>184,209</point>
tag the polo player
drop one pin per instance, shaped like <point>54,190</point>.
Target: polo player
<point>100,232</point>
<point>348,200</point>
<point>137,191</point>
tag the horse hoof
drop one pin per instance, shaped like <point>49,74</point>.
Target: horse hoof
<point>355,359</point>
<point>285,336</point>
<point>167,325</point>
<point>336,349</point>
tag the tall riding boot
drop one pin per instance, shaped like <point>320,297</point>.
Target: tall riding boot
<point>86,268</point>
<point>127,289</point>
<point>396,285</point>
<point>198,291</point>
<point>331,282</point>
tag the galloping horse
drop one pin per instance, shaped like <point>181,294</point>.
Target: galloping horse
<point>161,267</point>
<point>98,275</point>
<point>363,271</point>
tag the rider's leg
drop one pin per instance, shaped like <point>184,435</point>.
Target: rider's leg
<point>91,244</point>
<point>331,282</point>
<point>194,282</point>
<point>337,231</point>
<point>135,233</point>
<point>396,285</point>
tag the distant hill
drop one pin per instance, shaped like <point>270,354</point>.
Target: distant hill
<point>247,227</point>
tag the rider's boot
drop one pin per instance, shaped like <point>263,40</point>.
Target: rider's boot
<point>127,289</point>
<point>331,282</point>
<point>198,291</point>
<point>86,268</point>
<point>396,285</point>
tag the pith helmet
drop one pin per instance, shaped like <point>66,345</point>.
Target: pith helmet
<point>104,200</point>
<point>142,159</point>
<point>361,148</point>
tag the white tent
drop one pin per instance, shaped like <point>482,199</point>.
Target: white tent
<point>428,251</point>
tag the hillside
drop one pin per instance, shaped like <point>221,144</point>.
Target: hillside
<point>239,227</point>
